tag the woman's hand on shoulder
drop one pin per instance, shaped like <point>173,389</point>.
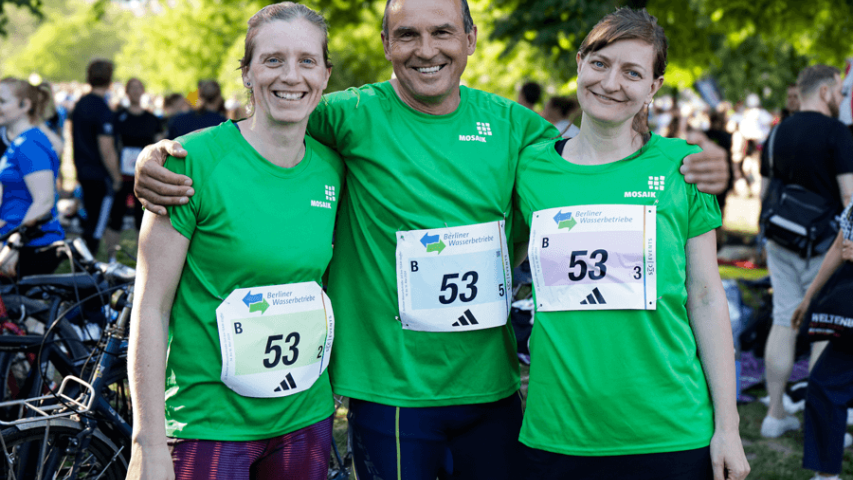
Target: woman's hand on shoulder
<point>708,169</point>
<point>150,462</point>
<point>155,185</point>
<point>727,457</point>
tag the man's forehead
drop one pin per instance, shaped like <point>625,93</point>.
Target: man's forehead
<point>410,11</point>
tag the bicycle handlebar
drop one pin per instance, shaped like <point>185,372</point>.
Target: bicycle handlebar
<point>25,230</point>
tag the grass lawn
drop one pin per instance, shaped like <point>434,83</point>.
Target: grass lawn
<point>771,459</point>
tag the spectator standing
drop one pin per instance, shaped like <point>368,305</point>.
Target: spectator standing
<point>792,102</point>
<point>831,379</point>
<point>28,172</point>
<point>208,114</point>
<point>135,128</point>
<point>94,152</point>
<point>719,135</point>
<point>530,94</point>
<point>562,111</point>
<point>814,150</point>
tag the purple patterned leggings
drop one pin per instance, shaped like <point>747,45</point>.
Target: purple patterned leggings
<point>299,455</point>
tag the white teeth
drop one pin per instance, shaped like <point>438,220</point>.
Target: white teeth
<point>288,96</point>
<point>429,70</point>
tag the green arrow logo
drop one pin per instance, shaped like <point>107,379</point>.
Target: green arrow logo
<point>262,306</point>
<point>570,223</point>
<point>436,247</point>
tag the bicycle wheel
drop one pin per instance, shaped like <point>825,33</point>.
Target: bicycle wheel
<point>27,456</point>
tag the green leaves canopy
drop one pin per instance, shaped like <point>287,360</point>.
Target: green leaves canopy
<point>746,45</point>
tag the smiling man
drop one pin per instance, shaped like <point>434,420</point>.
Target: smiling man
<point>420,275</point>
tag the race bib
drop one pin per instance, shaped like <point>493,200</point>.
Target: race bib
<point>275,340</point>
<point>128,160</point>
<point>453,279</point>
<point>594,257</point>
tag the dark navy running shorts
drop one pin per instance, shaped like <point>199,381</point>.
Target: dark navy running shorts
<point>468,442</point>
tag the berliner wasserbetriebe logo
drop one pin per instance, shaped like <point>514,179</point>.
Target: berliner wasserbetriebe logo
<point>565,220</point>
<point>256,302</point>
<point>433,243</point>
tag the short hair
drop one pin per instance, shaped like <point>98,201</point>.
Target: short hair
<point>564,105</point>
<point>99,73</point>
<point>814,77</point>
<point>532,92</point>
<point>173,99</point>
<point>467,21</point>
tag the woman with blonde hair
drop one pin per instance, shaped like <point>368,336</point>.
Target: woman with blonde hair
<point>28,172</point>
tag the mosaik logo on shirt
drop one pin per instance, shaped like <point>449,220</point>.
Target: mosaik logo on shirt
<point>330,197</point>
<point>655,184</point>
<point>484,129</point>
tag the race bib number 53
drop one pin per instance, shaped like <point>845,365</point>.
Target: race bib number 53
<point>276,340</point>
<point>453,279</point>
<point>594,257</point>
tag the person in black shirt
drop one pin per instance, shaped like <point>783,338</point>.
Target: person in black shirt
<point>94,152</point>
<point>719,135</point>
<point>209,113</point>
<point>814,150</point>
<point>135,128</point>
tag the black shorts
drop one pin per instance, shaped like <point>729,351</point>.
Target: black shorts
<point>120,207</point>
<point>456,442</point>
<point>684,465</point>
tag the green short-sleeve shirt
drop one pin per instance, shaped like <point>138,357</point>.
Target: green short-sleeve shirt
<point>250,223</point>
<point>407,171</point>
<point>620,382</point>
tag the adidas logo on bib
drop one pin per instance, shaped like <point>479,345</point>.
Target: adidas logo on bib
<point>466,319</point>
<point>286,384</point>
<point>594,298</point>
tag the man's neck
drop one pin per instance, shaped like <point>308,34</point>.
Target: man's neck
<point>815,105</point>
<point>444,106</point>
<point>100,91</point>
<point>135,109</point>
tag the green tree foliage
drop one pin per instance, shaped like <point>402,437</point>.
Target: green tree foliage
<point>173,50</point>
<point>8,12</point>
<point>746,45</point>
<point>66,40</point>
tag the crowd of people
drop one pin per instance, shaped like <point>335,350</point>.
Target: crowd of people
<point>431,192</point>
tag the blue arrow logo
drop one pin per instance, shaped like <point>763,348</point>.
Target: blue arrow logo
<point>249,299</point>
<point>426,240</point>
<point>560,216</point>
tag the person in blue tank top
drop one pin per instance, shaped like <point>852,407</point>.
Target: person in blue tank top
<point>28,173</point>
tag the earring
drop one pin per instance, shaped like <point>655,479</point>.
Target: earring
<point>248,84</point>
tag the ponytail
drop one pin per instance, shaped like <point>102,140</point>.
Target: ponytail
<point>44,109</point>
<point>40,97</point>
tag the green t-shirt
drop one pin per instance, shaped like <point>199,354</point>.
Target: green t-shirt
<point>406,171</point>
<point>250,223</point>
<point>620,382</point>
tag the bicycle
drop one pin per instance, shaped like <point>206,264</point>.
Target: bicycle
<point>79,437</point>
<point>64,346</point>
